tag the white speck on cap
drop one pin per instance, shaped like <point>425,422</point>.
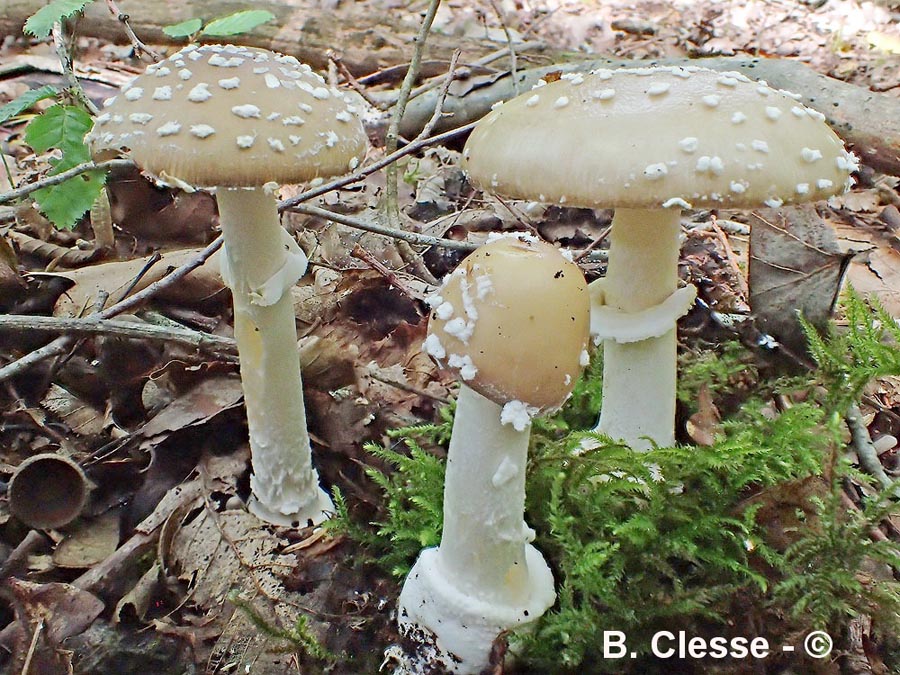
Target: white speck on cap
<point>738,117</point>
<point>162,93</point>
<point>140,118</point>
<point>230,83</point>
<point>561,102</point>
<point>759,145</point>
<point>293,120</point>
<point>246,141</point>
<point>773,113</point>
<point>810,155</point>
<point>658,88</point>
<point>655,171</point>
<point>168,129</point>
<point>604,94</point>
<point>133,93</point>
<point>689,144</point>
<point>199,93</point>
<point>272,82</point>
<point>532,100</point>
<point>246,110</point>
<point>712,100</point>
<point>202,130</point>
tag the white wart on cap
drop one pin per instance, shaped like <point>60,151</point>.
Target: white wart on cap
<point>658,137</point>
<point>513,321</point>
<point>225,115</point>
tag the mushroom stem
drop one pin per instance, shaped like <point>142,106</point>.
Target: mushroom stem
<point>485,577</point>
<point>642,273</point>
<point>483,541</point>
<point>259,268</point>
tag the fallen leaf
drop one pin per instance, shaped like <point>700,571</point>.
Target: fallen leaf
<point>796,266</point>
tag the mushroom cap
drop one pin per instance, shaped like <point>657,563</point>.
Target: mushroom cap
<point>232,116</point>
<point>658,137</point>
<point>513,320</point>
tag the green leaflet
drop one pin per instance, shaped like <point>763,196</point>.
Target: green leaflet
<point>63,128</point>
<point>41,22</point>
<point>239,22</point>
<point>22,103</point>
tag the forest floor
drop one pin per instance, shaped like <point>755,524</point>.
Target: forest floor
<point>155,574</point>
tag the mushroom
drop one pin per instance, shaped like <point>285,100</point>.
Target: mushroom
<point>651,142</point>
<point>512,321</point>
<point>241,119</point>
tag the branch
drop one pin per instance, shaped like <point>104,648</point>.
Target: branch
<point>56,179</point>
<point>17,323</point>
<point>865,449</point>
<point>415,146</point>
<point>63,343</point>
<point>402,235</point>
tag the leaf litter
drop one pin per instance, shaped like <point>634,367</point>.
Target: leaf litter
<point>231,588</point>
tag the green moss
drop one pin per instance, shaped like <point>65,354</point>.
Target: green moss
<point>672,537</point>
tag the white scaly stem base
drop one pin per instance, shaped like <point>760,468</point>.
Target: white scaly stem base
<point>639,377</point>
<point>485,577</point>
<point>259,268</point>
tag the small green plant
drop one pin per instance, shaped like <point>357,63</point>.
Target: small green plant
<point>413,492</point>
<point>837,569</point>
<point>850,356</point>
<point>299,636</point>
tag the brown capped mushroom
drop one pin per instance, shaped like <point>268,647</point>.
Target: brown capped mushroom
<point>243,120</point>
<point>651,142</point>
<point>512,321</point>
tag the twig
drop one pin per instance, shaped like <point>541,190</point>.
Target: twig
<point>62,343</point>
<point>391,199</point>
<point>61,45</point>
<point>509,44</point>
<point>19,555</point>
<point>56,179</point>
<point>136,43</point>
<point>464,71</point>
<point>124,329</point>
<point>410,237</point>
<point>358,175</point>
<point>32,648</point>
<point>355,84</point>
<point>408,387</point>
<point>393,132</point>
<point>594,244</point>
<point>390,275</point>
<point>743,286</point>
<point>865,449</point>
<point>442,96</point>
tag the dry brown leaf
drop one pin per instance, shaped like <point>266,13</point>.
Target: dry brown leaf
<point>116,278</point>
<point>93,541</point>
